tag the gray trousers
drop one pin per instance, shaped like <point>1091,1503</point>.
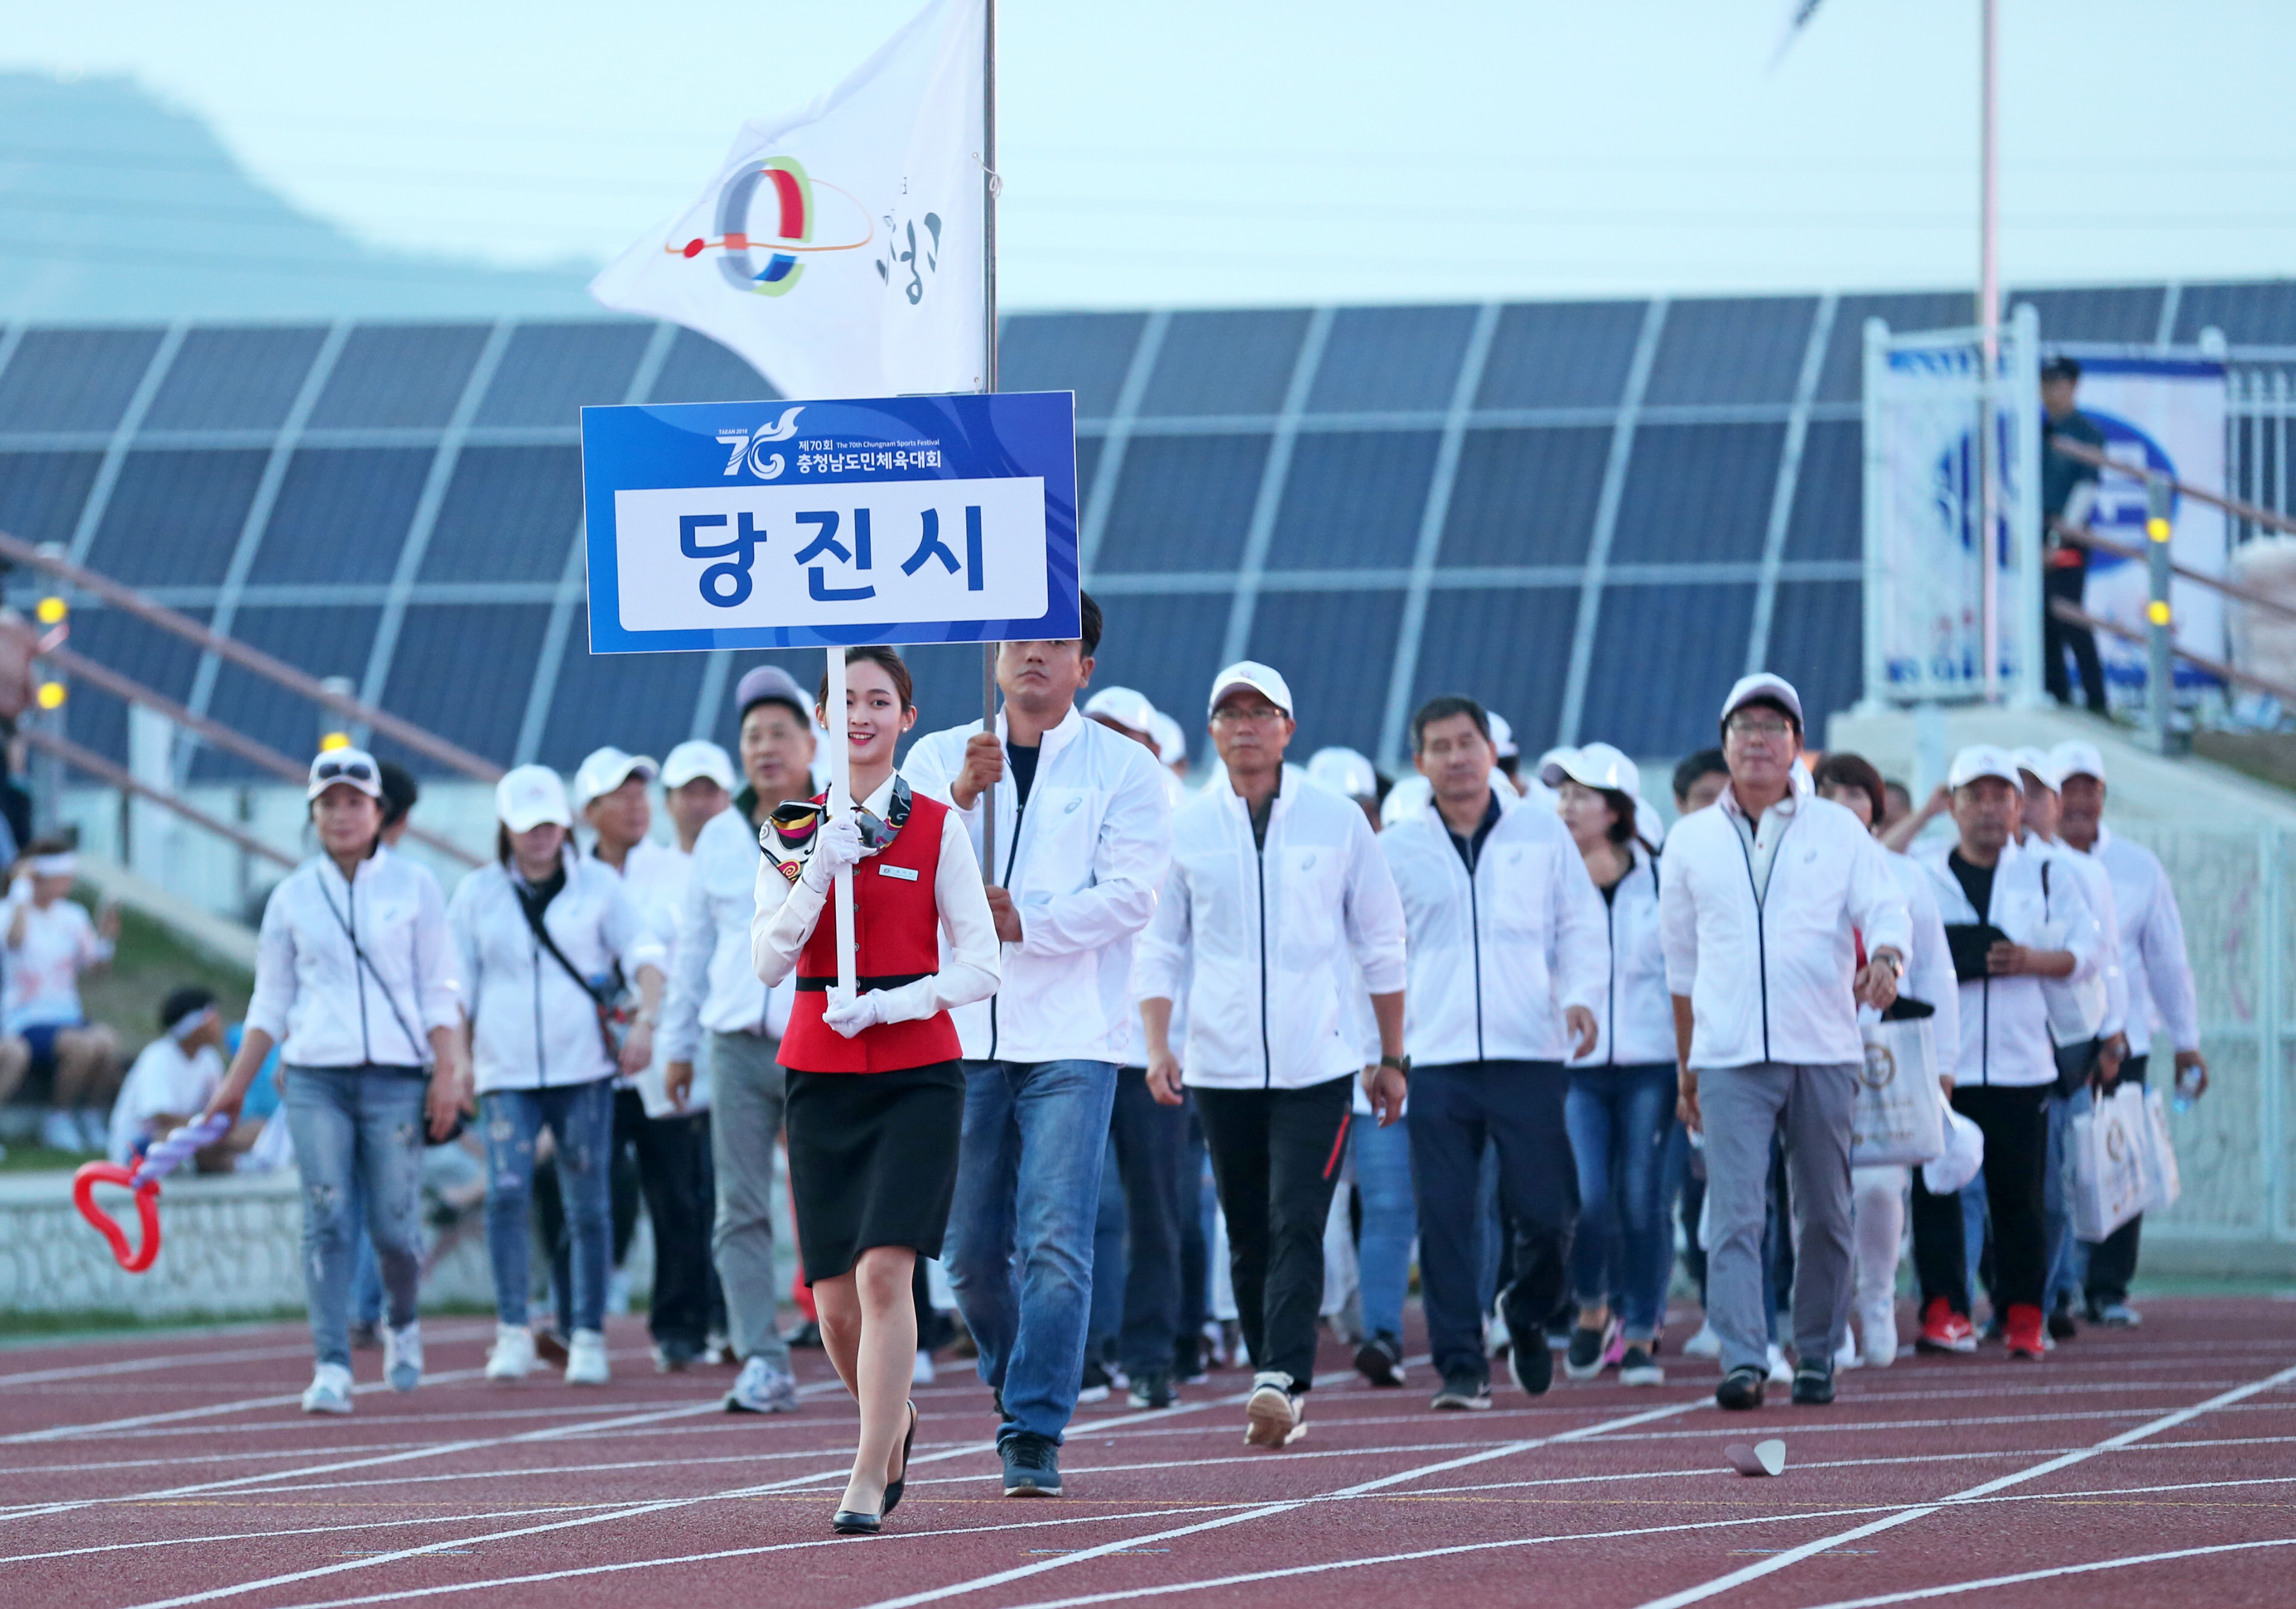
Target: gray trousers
<point>1743,1108</point>
<point>747,1096</point>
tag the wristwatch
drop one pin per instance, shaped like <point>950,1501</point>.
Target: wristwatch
<point>1402,1064</point>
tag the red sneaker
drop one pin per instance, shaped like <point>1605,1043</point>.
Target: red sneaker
<point>2026,1332</point>
<point>1943,1330</point>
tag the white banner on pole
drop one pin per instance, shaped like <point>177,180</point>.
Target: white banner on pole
<point>839,247</point>
<point>2163,414</point>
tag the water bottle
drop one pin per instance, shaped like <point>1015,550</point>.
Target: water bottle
<point>2188,1089</point>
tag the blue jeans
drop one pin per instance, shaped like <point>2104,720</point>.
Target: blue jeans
<point>1108,1264</point>
<point>358,1146</point>
<point>1618,1118</point>
<point>1021,1232</point>
<point>1391,1221</point>
<point>581,1118</point>
<point>1151,1156</point>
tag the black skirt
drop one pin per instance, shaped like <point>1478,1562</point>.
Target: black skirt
<point>872,1162</point>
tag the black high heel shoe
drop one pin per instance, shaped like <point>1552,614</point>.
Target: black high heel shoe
<point>857,1522</point>
<point>893,1488</point>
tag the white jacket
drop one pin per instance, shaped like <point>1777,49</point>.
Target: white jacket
<point>311,993</point>
<point>2156,973</point>
<point>1496,957</point>
<point>1262,942</point>
<point>2004,1022</point>
<point>1773,979</point>
<point>1634,996</point>
<point>1083,862</point>
<point>532,1026</point>
<point>2105,989</point>
<point>713,987</point>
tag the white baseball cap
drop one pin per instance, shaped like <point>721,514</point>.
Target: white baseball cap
<point>1501,736</point>
<point>1759,685</point>
<point>1595,766</point>
<point>1345,772</point>
<point>2032,760</point>
<point>1171,742</point>
<point>1263,679</point>
<point>1127,708</point>
<point>609,769</point>
<point>530,795</point>
<point>1984,759</point>
<point>2074,758</point>
<point>355,766</point>
<point>697,757</point>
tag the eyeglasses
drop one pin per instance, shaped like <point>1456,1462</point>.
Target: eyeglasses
<point>343,770</point>
<point>1233,715</point>
<point>1742,726</point>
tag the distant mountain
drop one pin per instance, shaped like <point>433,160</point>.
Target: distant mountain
<point>116,207</point>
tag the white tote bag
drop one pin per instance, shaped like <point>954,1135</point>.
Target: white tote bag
<point>1899,1118</point>
<point>2109,1180</point>
<point>1963,1159</point>
<point>2163,1184</point>
<point>2076,1010</point>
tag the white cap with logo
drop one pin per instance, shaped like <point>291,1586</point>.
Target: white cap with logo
<point>1171,742</point>
<point>528,796</point>
<point>1761,685</point>
<point>1595,766</point>
<point>1263,679</point>
<point>1503,735</point>
<point>354,767</point>
<point>1980,760</point>
<point>1344,772</point>
<point>608,768</point>
<point>2035,763</point>
<point>1127,708</point>
<point>697,757</point>
<point>2074,758</point>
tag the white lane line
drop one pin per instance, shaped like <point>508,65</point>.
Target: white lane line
<point>170,1360</point>
<point>300,1531</point>
<point>1820,1427</point>
<point>1504,1449</point>
<point>2062,1570</point>
<point>1794,1555</point>
<point>59,1433</point>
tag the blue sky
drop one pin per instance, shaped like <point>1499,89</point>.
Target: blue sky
<point>1239,151</point>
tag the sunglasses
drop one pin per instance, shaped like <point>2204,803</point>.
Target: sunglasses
<point>343,770</point>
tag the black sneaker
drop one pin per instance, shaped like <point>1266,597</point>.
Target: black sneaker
<point>1032,1466</point>
<point>1152,1390</point>
<point>1637,1367</point>
<point>1097,1382</point>
<point>1380,1359</point>
<point>1467,1391</point>
<point>1742,1388</point>
<point>1533,1367</point>
<point>2061,1326</point>
<point>1813,1385</point>
<point>1584,1359</point>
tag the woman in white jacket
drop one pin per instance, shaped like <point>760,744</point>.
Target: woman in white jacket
<point>545,935</point>
<point>354,983</point>
<point>1621,1101</point>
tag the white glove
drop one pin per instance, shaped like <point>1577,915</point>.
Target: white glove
<point>836,846</point>
<point>849,1017</point>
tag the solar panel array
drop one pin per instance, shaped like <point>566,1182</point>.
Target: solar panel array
<point>1591,514</point>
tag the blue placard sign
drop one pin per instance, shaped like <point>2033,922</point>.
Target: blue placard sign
<point>808,524</point>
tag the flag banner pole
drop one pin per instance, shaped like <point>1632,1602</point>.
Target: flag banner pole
<point>990,184</point>
<point>840,804</point>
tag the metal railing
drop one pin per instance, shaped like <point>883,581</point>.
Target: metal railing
<point>94,765</point>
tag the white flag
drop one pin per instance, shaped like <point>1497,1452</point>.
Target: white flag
<point>839,249</point>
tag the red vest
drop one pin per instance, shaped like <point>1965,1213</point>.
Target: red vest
<point>896,938</point>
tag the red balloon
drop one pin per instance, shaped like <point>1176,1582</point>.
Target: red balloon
<point>134,1259</point>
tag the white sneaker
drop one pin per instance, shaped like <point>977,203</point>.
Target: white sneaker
<point>761,1389</point>
<point>60,1131</point>
<point>586,1359</point>
<point>1879,1327</point>
<point>924,1373</point>
<point>1846,1356</point>
<point>402,1356</point>
<point>1781,1371</point>
<point>511,1355</point>
<point>618,1291</point>
<point>329,1392</point>
<point>94,1131</point>
<point>1705,1344</point>
<point>717,1350</point>
<point>1275,1416</point>
<point>1495,1338</point>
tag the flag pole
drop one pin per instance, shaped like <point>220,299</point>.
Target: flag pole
<point>990,184</point>
<point>840,804</point>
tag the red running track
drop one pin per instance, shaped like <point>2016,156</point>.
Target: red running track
<point>2128,1467</point>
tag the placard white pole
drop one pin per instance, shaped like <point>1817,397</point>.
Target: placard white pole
<point>840,804</point>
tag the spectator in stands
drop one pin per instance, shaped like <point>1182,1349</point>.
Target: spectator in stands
<point>2009,928</point>
<point>173,1078</point>
<point>51,943</point>
<point>1698,782</point>
<point>541,934</point>
<point>2156,975</point>
<point>715,995</point>
<point>354,981</point>
<point>2068,498</point>
<point>1621,1102</point>
<point>1878,1195</point>
<point>1271,1056</point>
<point>1760,898</point>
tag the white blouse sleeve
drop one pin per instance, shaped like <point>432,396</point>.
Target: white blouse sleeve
<point>785,917</point>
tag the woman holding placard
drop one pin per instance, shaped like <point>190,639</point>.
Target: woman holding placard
<point>876,1097</point>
